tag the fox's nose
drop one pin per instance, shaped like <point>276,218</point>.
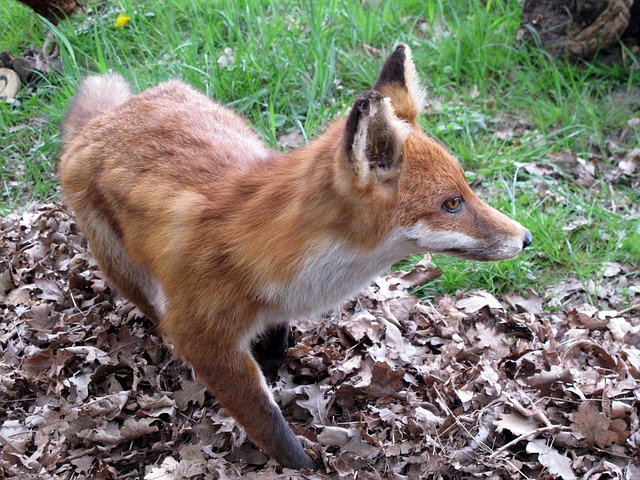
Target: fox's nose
<point>528,238</point>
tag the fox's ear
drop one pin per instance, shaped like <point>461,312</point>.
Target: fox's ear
<point>373,141</point>
<point>399,81</point>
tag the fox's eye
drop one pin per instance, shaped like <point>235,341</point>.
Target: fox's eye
<point>453,205</point>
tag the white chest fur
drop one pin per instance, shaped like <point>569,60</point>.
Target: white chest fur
<point>333,272</point>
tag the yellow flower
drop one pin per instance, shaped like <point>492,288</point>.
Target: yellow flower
<point>122,20</point>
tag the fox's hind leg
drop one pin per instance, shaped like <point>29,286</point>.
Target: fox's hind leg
<point>131,280</point>
<point>270,349</point>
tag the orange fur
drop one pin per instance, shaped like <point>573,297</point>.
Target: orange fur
<point>217,237</point>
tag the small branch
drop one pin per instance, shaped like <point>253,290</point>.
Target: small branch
<point>635,306</point>
<point>81,454</point>
<point>534,433</point>
<point>533,412</point>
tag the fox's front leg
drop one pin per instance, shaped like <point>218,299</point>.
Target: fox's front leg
<point>233,376</point>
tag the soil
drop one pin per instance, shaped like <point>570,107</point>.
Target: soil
<point>555,22</point>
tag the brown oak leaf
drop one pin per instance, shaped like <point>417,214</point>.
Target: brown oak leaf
<point>596,427</point>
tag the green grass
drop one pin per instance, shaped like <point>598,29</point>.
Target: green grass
<point>297,64</point>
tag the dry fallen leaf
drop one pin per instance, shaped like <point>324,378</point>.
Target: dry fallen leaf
<point>421,273</point>
<point>531,304</point>
<point>516,424</point>
<point>477,301</point>
<point>335,436</point>
<point>15,436</point>
<point>316,404</point>
<point>166,471</point>
<point>556,463</point>
<point>595,427</point>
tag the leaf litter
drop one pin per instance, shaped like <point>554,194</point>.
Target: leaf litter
<point>386,386</point>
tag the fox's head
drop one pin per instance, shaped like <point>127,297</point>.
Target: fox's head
<point>386,160</point>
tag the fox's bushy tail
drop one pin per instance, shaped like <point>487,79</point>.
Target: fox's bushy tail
<point>96,95</point>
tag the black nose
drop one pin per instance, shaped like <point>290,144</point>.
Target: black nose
<point>528,238</point>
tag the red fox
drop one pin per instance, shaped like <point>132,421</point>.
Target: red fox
<point>219,239</point>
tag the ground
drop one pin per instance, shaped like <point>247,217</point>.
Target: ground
<point>386,386</point>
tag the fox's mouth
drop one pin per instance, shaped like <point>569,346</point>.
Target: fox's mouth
<point>477,255</point>
<point>465,254</point>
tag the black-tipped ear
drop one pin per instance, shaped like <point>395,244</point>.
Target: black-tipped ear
<point>373,140</point>
<point>399,81</point>
<point>393,69</point>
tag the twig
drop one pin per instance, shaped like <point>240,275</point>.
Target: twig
<point>534,411</point>
<point>635,306</point>
<point>81,454</point>
<point>524,436</point>
<point>390,317</point>
<point>437,313</point>
<point>480,443</point>
<point>74,301</point>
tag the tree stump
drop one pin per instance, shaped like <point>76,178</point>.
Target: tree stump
<point>52,10</point>
<point>581,28</point>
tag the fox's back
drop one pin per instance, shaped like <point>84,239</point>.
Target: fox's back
<point>170,127</point>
